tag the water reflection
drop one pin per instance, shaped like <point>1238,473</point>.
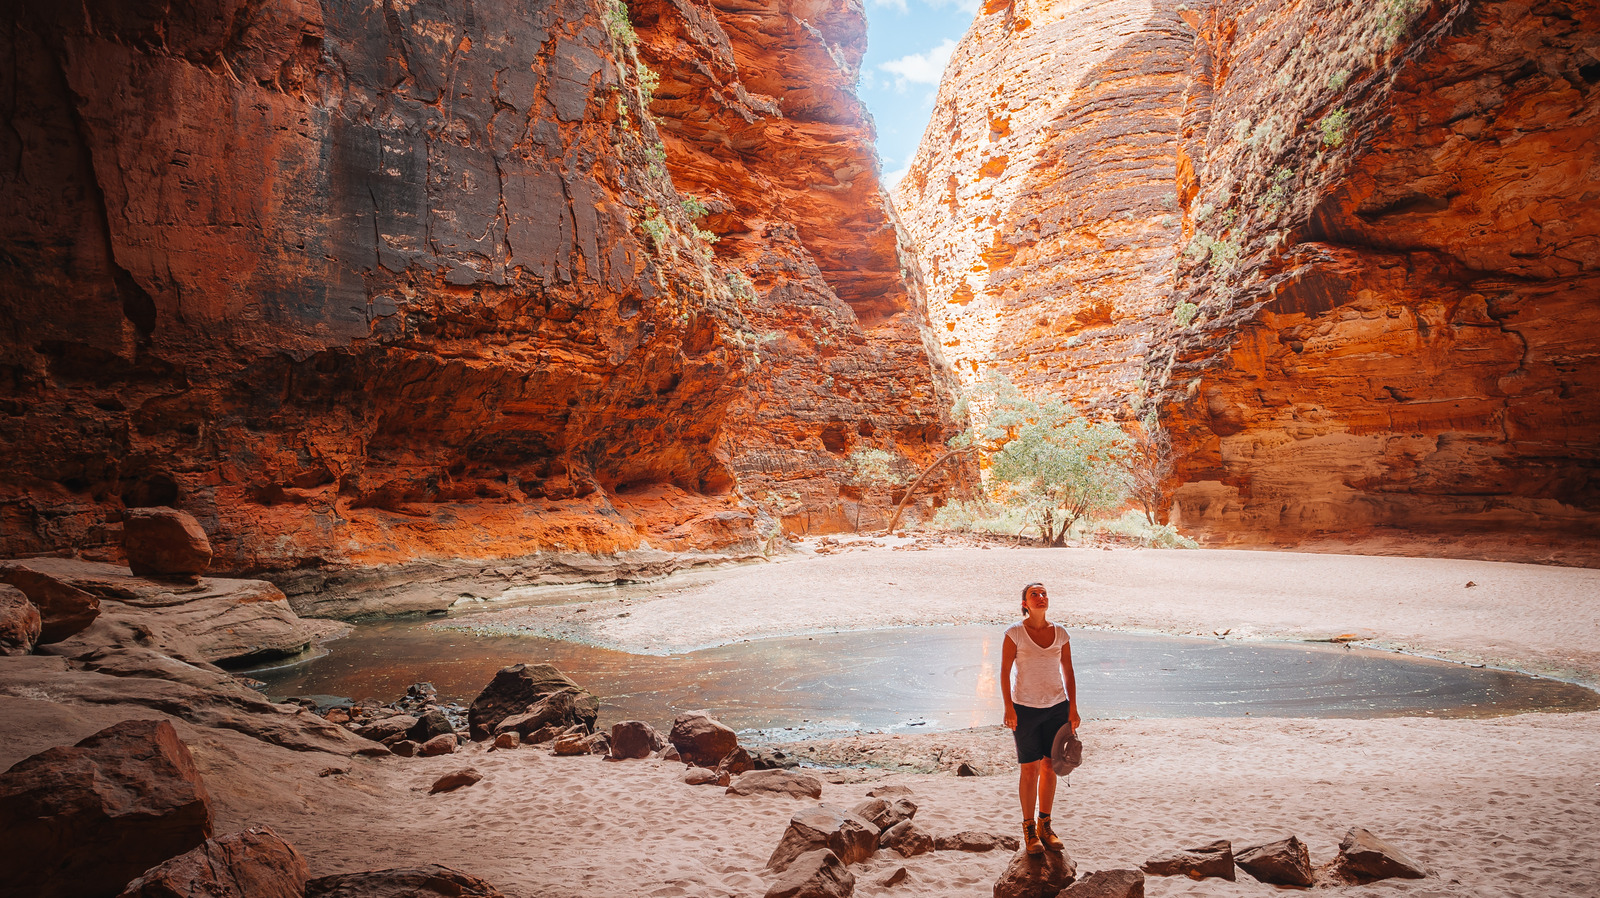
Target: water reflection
<point>927,678</point>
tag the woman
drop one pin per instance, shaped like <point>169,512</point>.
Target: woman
<point>1046,699</point>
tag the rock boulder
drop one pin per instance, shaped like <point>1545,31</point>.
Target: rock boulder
<point>1108,884</point>
<point>850,838</point>
<point>635,739</point>
<point>777,782</point>
<point>432,881</point>
<point>815,874</point>
<point>165,542</point>
<point>454,780</point>
<point>81,821</point>
<point>19,622</point>
<point>255,863</point>
<point>1364,857</point>
<point>517,690</point>
<point>701,740</point>
<point>1285,862</point>
<point>906,838</point>
<point>1214,859</point>
<point>974,841</point>
<point>1036,876</point>
<point>63,609</point>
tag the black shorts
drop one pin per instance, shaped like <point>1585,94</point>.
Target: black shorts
<point>1036,730</point>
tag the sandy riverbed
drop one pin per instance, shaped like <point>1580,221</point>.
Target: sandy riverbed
<point>1507,806</point>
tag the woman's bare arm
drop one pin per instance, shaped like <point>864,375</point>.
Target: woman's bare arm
<point>1072,683</point>
<point>1008,658</point>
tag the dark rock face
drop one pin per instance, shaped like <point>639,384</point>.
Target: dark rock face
<point>432,881</point>
<point>356,286</point>
<point>516,689</point>
<point>1285,862</point>
<point>81,822</point>
<point>19,622</point>
<point>165,542</point>
<point>1214,859</point>
<point>256,863</point>
<point>1036,876</point>
<point>702,740</point>
<point>850,838</point>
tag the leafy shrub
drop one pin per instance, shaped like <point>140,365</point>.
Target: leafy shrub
<point>694,207</point>
<point>648,82</point>
<point>618,25</point>
<point>656,227</point>
<point>1335,127</point>
<point>1184,313</point>
<point>1136,528</point>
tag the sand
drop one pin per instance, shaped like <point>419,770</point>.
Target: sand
<point>1505,806</point>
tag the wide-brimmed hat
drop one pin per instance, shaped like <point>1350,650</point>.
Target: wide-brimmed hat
<point>1066,751</point>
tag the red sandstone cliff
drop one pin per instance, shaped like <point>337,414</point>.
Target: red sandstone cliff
<point>1370,308</point>
<point>367,283</point>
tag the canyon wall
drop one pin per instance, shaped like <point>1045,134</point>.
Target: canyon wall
<point>1370,311</point>
<point>367,283</point>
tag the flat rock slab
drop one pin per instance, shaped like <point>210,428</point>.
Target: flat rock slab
<point>432,881</point>
<point>1215,859</point>
<point>815,874</point>
<point>1036,875</point>
<point>777,782</point>
<point>975,841</point>
<point>63,608</point>
<point>256,863</point>
<point>1108,884</point>
<point>82,821</point>
<point>850,838</point>
<point>1285,862</point>
<point>1364,857</point>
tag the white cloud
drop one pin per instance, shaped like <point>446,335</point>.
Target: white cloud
<point>897,4</point>
<point>892,179</point>
<point>919,68</point>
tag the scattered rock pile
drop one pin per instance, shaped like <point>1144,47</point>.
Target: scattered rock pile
<point>1362,858</point>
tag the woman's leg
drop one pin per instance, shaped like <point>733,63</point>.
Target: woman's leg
<point>1028,785</point>
<point>1047,787</point>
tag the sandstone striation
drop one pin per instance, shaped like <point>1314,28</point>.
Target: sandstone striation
<point>359,286</point>
<point>1341,255</point>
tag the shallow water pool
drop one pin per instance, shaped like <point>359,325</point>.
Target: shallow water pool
<point>927,678</point>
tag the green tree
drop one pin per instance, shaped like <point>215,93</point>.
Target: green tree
<point>874,468</point>
<point>1049,461</point>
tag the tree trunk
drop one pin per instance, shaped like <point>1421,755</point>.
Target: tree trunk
<point>912,490</point>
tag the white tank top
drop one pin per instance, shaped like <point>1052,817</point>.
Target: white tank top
<point>1039,683</point>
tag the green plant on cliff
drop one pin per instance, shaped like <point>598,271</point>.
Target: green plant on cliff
<point>743,289</point>
<point>1397,17</point>
<point>694,207</point>
<point>618,24</point>
<point>1278,194</point>
<point>1184,314</point>
<point>656,156</point>
<point>1335,127</point>
<point>655,226</point>
<point>648,82</point>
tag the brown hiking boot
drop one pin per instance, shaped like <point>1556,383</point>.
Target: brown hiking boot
<point>1048,836</point>
<point>1030,837</point>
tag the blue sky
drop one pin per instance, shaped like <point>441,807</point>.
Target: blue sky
<point>908,43</point>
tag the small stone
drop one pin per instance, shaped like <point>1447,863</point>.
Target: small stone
<point>1215,859</point>
<point>1286,862</point>
<point>670,753</point>
<point>907,839</point>
<point>450,782</point>
<point>19,622</point>
<point>1365,857</point>
<point>889,792</point>
<point>1108,884</point>
<point>508,740</point>
<point>701,776</point>
<point>967,770</point>
<point>777,782</point>
<point>405,748</point>
<point>438,745</point>
<point>571,744</point>
<point>429,725</point>
<point>333,771</point>
<point>1036,876</point>
<point>388,728</point>
<point>815,874</point>
<point>337,715</point>
<point>736,762</point>
<point>894,878</point>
